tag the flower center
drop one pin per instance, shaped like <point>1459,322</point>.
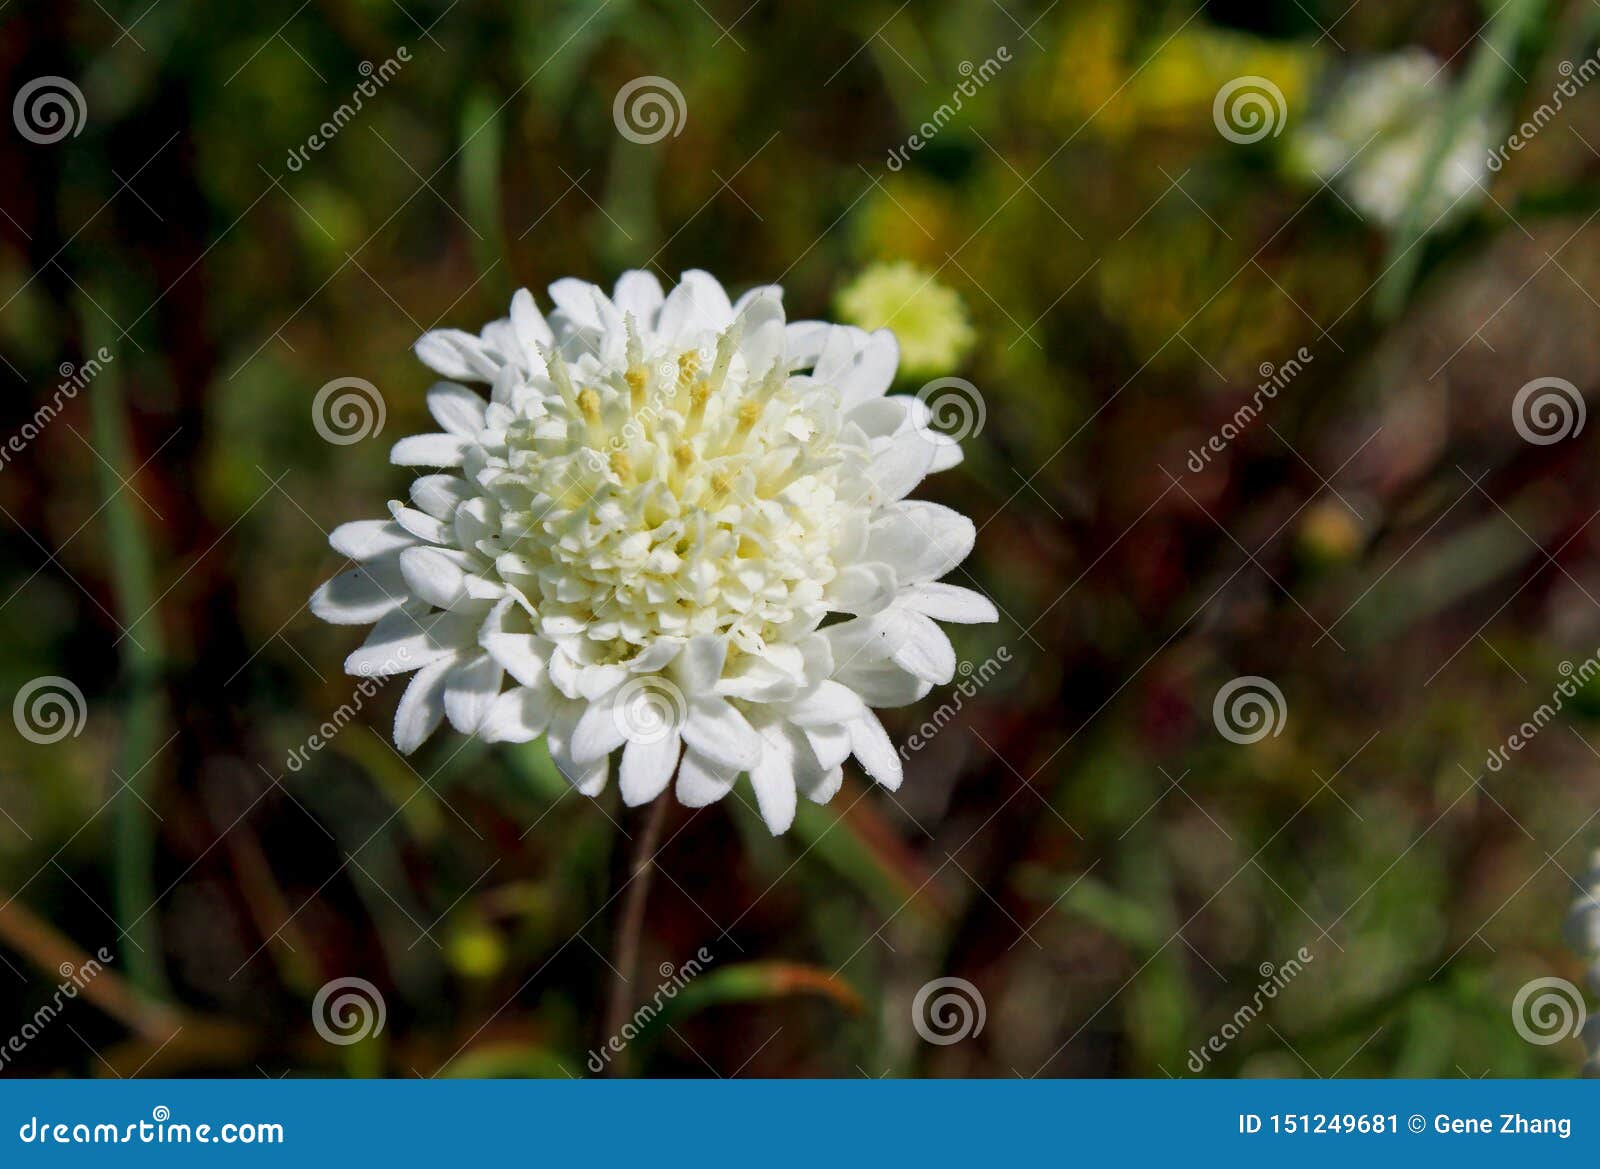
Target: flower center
<point>675,495</point>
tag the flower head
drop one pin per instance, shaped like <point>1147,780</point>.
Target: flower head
<point>928,319</point>
<point>1377,134</point>
<point>640,537</point>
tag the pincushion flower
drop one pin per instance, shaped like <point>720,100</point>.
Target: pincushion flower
<point>927,319</point>
<point>1376,137</point>
<point>676,527</point>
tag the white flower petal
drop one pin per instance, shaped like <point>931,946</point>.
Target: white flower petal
<point>861,365</point>
<point>885,684</point>
<point>647,767</point>
<point>761,336</point>
<point>803,342</point>
<point>588,779</point>
<point>359,597</point>
<point>519,653</point>
<point>370,539</point>
<point>721,734</point>
<point>440,495</point>
<point>830,745</point>
<point>421,707</point>
<point>697,305</point>
<point>600,730</point>
<point>639,294</point>
<point>900,466</point>
<point>869,742</point>
<point>822,787</point>
<point>862,589</point>
<point>701,782</point>
<point>773,780</point>
<point>944,602</point>
<point>456,355</point>
<point>530,327</point>
<point>419,524</point>
<point>921,541</point>
<point>581,303</point>
<point>470,691</point>
<point>518,715</point>
<point>828,704</point>
<point>925,650</point>
<point>456,408</point>
<point>403,641</point>
<point>433,576</point>
<point>430,450</point>
<point>699,666</point>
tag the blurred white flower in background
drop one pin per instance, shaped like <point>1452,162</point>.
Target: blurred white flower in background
<point>1374,135</point>
<point>641,533</point>
<point>1583,935</point>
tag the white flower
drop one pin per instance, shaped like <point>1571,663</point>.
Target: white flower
<point>641,534</point>
<point>1376,135</point>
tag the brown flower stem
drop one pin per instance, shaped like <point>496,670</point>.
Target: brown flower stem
<point>625,945</point>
